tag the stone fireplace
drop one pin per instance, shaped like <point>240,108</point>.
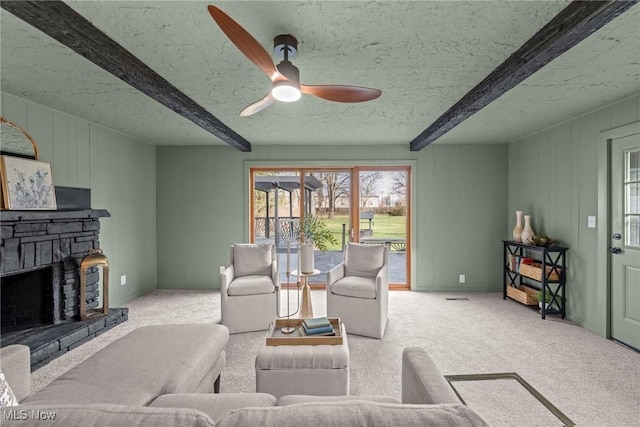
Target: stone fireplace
<point>40,256</point>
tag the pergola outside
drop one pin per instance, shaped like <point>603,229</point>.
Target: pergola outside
<point>283,228</point>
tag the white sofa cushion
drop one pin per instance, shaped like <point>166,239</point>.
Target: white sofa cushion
<point>363,260</point>
<point>354,414</point>
<point>215,405</point>
<point>251,259</point>
<point>294,399</point>
<point>355,286</point>
<point>100,415</point>
<point>140,366</point>
<point>251,285</point>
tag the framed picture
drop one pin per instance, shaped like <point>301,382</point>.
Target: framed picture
<point>27,184</point>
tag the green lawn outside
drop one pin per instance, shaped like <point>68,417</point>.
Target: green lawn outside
<point>382,226</point>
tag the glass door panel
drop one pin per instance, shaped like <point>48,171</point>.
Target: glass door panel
<point>383,207</point>
<point>632,198</point>
<point>276,213</point>
<point>327,210</point>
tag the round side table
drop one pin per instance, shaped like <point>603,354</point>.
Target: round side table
<point>306,310</point>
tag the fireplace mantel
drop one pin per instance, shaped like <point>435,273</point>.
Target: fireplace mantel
<point>52,215</point>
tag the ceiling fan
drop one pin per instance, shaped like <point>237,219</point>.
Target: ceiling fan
<point>285,76</point>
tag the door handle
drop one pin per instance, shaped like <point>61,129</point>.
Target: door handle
<point>615,250</point>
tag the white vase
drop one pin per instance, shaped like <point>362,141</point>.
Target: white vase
<point>517,230</point>
<point>306,251</point>
<point>527,231</point>
<point>547,305</point>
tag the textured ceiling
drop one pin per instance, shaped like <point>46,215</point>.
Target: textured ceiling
<point>424,55</point>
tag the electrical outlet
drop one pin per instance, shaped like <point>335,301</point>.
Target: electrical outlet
<point>462,278</point>
<point>123,280</point>
<point>591,222</point>
<point>222,269</point>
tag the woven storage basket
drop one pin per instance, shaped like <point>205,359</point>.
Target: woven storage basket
<point>534,271</point>
<point>523,294</point>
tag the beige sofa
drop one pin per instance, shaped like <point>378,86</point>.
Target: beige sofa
<point>165,388</point>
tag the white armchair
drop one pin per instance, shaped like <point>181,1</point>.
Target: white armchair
<point>248,288</point>
<point>358,289</point>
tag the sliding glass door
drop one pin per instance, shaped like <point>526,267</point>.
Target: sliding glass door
<point>333,206</point>
<point>383,216</point>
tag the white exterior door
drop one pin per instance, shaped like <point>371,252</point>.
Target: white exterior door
<point>625,240</point>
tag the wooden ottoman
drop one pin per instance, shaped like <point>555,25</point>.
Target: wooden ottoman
<point>319,370</point>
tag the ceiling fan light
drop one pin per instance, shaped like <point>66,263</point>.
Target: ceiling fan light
<point>286,91</point>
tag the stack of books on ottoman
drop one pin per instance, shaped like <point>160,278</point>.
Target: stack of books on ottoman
<point>317,326</point>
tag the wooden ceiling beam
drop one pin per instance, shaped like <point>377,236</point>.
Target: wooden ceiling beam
<point>573,24</point>
<point>62,23</point>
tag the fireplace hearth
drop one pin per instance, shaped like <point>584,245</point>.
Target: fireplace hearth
<point>40,258</point>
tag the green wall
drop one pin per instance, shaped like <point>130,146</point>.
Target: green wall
<point>553,177</point>
<point>460,199</point>
<point>121,173</point>
<point>176,210</point>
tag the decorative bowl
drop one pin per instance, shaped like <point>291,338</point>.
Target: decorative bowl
<point>541,241</point>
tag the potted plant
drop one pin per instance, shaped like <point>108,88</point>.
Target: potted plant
<point>316,232</point>
<point>317,235</point>
<point>547,300</point>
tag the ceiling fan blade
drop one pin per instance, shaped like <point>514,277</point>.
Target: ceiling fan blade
<point>245,42</point>
<point>258,106</point>
<point>341,93</point>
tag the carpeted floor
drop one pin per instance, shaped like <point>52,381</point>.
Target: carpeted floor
<point>594,381</point>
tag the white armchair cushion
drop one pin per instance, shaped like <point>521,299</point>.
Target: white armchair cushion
<point>251,285</point>
<point>249,259</point>
<point>363,260</point>
<point>355,286</point>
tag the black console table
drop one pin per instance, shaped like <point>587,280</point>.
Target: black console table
<point>544,269</point>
